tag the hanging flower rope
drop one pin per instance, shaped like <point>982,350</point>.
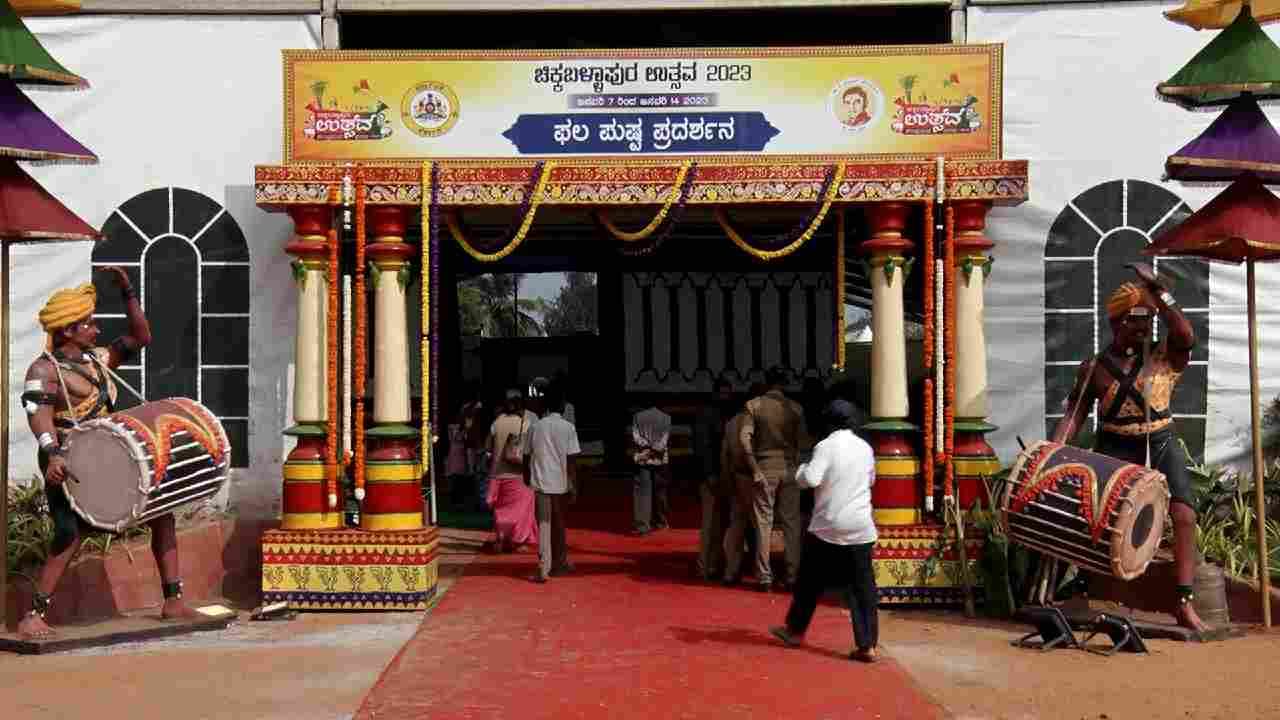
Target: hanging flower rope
<point>643,233</point>
<point>928,464</point>
<point>926,282</point>
<point>800,234</point>
<point>528,209</point>
<point>331,376</point>
<point>927,402</point>
<point>840,289</point>
<point>656,239</point>
<point>432,376</point>
<point>361,333</point>
<point>949,326</point>
<point>425,337</point>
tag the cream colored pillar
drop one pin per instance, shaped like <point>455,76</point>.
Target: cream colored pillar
<point>973,457</point>
<point>888,338</point>
<point>310,401</point>
<point>393,474</point>
<point>896,498</point>
<point>303,501</point>
<point>388,276</point>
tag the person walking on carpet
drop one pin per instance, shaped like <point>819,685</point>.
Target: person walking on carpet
<point>550,448</point>
<point>510,499</point>
<point>841,534</point>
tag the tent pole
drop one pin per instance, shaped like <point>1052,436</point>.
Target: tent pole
<point>1264,571</point>
<point>4,425</point>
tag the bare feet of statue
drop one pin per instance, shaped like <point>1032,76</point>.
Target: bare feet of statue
<point>177,609</point>
<point>33,627</point>
<point>1187,618</point>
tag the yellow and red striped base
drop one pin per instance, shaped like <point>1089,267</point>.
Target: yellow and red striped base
<point>905,575</point>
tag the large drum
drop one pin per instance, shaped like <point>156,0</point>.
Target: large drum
<point>1102,514</point>
<point>141,463</point>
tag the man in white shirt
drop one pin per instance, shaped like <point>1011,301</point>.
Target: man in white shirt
<point>549,450</point>
<point>841,535</point>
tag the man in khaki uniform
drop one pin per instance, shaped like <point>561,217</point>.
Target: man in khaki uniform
<point>771,435</point>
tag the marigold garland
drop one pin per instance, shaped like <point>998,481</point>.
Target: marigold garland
<point>949,326</point>
<point>510,246</point>
<point>428,196</point>
<point>643,233</point>
<point>928,465</point>
<point>433,377</point>
<point>331,387</point>
<point>657,239</point>
<point>840,289</point>
<point>828,195</point>
<point>361,338</point>
<point>926,281</point>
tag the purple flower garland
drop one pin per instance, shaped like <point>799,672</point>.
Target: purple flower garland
<point>782,240</point>
<point>673,218</point>
<point>502,240</point>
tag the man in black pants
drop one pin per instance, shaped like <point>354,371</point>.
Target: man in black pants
<point>837,548</point>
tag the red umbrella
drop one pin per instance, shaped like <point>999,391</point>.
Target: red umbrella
<point>29,213</point>
<point>1240,225</point>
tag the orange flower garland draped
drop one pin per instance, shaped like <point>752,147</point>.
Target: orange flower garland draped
<point>331,389</point>
<point>949,340</point>
<point>361,333</point>
<point>927,401</point>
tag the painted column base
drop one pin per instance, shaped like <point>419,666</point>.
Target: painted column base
<point>304,500</point>
<point>903,573</point>
<point>392,482</point>
<point>973,459</point>
<point>897,497</point>
<point>350,569</point>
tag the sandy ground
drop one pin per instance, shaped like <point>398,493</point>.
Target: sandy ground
<point>970,667</point>
<point>320,666</point>
<point>317,667</point>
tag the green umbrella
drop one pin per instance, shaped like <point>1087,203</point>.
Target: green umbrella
<point>1242,58</point>
<point>24,59</point>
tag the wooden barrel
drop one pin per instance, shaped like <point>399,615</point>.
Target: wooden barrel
<point>1210,590</point>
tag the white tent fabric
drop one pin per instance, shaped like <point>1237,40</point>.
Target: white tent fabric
<point>1080,104</point>
<point>189,102</point>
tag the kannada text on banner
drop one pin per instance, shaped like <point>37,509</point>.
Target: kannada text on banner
<point>874,103</point>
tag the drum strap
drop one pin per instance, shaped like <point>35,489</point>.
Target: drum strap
<point>1127,391</point>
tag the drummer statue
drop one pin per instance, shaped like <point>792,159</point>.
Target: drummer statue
<point>1134,385</point>
<point>69,383</point>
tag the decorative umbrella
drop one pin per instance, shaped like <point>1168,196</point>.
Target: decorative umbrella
<point>1240,141</point>
<point>24,59</point>
<point>1242,58</point>
<point>1235,227</point>
<point>28,213</point>
<point>28,134</point>
<point>1217,14</point>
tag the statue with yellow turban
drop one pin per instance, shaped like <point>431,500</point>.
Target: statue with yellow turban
<point>69,383</point>
<point>1133,384</point>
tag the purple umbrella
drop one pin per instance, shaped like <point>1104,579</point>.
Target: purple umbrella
<point>27,133</point>
<point>1240,140</point>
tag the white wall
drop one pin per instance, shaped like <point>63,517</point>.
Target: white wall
<point>1080,104</point>
<point>186,102</point>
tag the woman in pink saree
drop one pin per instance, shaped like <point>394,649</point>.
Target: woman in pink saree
<point>510,499</point>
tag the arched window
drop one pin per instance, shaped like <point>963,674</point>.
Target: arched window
<point>1091,240</point>
<point>188,258</point>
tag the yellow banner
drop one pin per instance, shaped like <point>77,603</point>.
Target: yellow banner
<point>877,103</point>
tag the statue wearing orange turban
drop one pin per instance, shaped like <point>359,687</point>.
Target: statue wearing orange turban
<point>1133,384</point>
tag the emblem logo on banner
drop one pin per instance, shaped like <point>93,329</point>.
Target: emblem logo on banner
<point>856,104</point>
<point>429,109</point>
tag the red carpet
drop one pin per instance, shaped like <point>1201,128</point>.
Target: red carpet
<point>629,635</point>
